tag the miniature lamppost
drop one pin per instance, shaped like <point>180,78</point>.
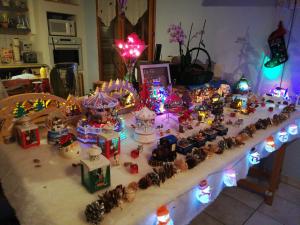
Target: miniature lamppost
<point>163,216</point>
<point>270,144</point>
<point>204,192</point>
<point>283,135</point>
<point>293,129</point>
<point>28,133</point>
<point>95,171</point>
<point>254,157</point>
<point>229,178</point>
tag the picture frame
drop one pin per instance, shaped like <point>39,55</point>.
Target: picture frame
<point>156,73</point>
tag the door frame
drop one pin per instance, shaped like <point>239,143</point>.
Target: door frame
<point>121,32</point>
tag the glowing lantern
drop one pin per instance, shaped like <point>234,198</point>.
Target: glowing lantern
<point>254,157</point>
<point>242,86</point>
<point>229,178</point>
<point>293,129</point>
<point>204,192</point>
<point>163,216</point>
<point>283,136</point>
<point>215,98</point>
<point>270,144</point>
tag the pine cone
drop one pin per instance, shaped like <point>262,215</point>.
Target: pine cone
<point>94,212</point>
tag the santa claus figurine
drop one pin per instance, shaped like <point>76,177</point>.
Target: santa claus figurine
<point>163,216</point>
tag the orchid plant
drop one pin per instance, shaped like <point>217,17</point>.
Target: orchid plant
<point>177,35</point>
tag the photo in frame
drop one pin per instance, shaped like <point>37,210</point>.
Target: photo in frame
<point>156,73</point>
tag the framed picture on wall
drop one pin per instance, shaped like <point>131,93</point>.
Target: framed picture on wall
<point>156,73</point>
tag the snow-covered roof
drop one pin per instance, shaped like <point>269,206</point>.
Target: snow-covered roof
<point>100,100</point>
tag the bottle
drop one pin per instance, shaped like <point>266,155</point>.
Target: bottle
<point>43,72</point>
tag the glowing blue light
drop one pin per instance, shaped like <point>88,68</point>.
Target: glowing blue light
<point>229,178</point>
<point>293,129</point>
<point>283,136</point>
<point>272,73</point>
<point>204,192</point>
<point>254,158</point>
<point>243,85</point>
<point>270,144</point>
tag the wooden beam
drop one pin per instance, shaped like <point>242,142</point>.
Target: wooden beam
<point>100,53</point>
<point>151,35</point>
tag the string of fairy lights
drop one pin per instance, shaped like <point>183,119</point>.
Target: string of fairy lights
<point>229,176</point>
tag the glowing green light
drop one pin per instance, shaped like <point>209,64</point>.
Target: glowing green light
<point>272,73</point>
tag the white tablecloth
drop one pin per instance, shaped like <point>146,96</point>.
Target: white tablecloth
<point>53,195</point>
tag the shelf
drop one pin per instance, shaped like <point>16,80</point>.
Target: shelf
<point>14,31</point>
<point>63,2</point>
<point>22,65</point>
<point>13,9</point>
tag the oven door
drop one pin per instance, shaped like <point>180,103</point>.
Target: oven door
<point>66,54</point>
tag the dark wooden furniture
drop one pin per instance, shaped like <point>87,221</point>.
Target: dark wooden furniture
<point>273,176</point>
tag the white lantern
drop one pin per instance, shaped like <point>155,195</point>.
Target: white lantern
<point>204,192</point>
<point>229,178</point>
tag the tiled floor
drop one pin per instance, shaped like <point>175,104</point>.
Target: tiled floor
<point>236,206</point>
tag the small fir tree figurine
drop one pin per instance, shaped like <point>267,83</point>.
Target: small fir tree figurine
<point>39,105</point>
<point>20,110</point>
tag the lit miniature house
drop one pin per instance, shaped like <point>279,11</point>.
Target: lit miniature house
<point>110,143</point>
<point>100,109</point>
<point>57,130</point>
<point>28,133</point>
<point>95,171</point>
<point>144,131</point>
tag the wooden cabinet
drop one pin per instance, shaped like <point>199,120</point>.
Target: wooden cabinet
<point>14,18</point>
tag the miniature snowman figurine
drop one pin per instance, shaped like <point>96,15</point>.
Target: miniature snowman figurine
<point>95,152</point>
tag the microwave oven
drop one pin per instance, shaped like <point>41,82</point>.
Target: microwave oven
<point>61,27</point>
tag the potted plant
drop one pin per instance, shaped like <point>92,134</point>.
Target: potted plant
<point>190,71</point>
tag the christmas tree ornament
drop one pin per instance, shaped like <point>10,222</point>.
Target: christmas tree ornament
<point>277,47</point>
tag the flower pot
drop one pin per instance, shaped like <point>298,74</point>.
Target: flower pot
<point>4,25</point>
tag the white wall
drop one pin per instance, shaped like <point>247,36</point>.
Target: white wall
<point>91,53</point>
<point>226,22</point>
